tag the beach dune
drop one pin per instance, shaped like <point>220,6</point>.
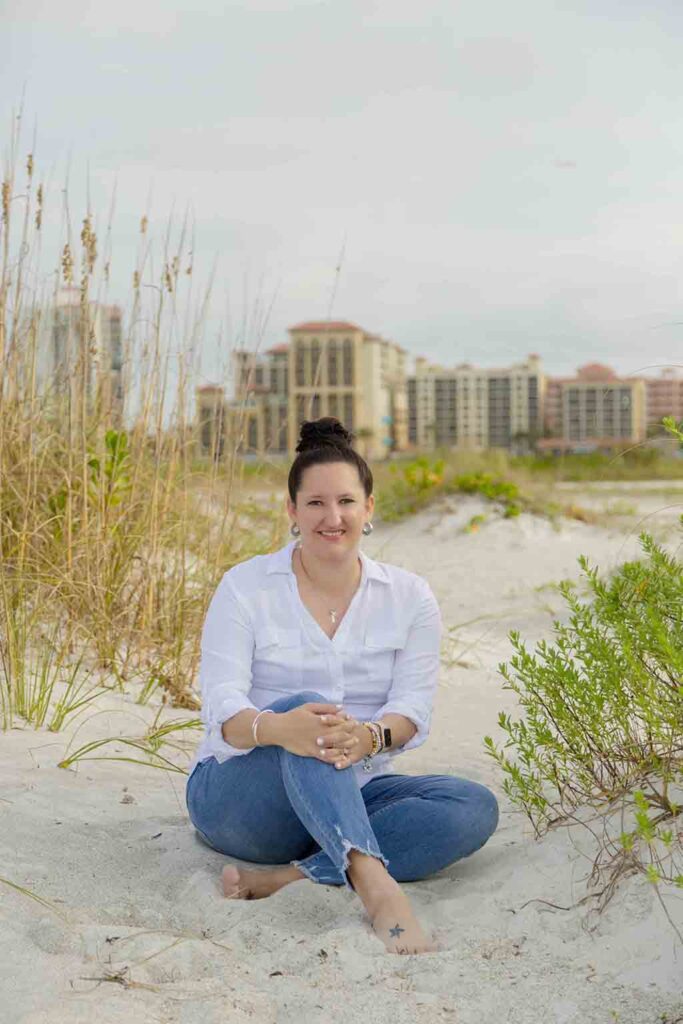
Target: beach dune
<point>138,930</point>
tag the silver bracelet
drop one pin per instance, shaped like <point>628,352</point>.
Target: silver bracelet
<point>265,711</point>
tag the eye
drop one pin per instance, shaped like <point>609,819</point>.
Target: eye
<point>316,501</point>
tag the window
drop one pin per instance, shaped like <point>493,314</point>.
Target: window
<point>300,364</point>
<point>347,357</point>
<point>348,412</point>
<point>316,368</point>
<point>332,364</point>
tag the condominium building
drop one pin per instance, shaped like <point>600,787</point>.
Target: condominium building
<point>330,368</point>
<point>261,386</point>
<point>210,414</point>
<point>339,369</point>
<point>475,407</point>
<point>663,397</point>
<point>83,350</point>
<point>593,410</point>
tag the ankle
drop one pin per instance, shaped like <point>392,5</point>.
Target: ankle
<point>369,876</point>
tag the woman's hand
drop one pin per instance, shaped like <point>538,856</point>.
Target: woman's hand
<point>342,737</point>
<point>360,750</point>
<point>337,748</point>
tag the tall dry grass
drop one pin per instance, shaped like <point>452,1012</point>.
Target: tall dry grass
<point>112,533</point>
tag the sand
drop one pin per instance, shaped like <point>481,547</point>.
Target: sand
<point>139,931</point>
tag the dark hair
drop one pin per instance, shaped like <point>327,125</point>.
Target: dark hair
<point>326,440</point>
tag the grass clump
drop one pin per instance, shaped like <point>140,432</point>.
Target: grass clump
<point>113,533</point>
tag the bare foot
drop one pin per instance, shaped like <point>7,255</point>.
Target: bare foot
<point>394,922</point>
<point>247,884</point>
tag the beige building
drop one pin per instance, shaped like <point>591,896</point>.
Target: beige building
<point>223,427</point>
<point>330,368</point>
<point>210,416</point>
<point>83,350</point>
<point>261,383</point>
<point>596,410</point>
<point>339,369</point>
<point>475,407</point>
<point>663,397</point>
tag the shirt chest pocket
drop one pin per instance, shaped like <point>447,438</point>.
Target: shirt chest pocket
<point>278,658</point>
<point>382,643</point>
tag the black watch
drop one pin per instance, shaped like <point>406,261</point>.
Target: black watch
<point>387,735</point>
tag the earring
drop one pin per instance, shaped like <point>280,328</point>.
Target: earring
<point>367,529</point>
<point>295,530</point>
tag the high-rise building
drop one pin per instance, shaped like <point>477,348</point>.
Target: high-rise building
<point>595,410</point>
<point>211,421</point>
<point>83,349</point>
<point>475,407</point>
<point>339,369</point>
<point>663,397</point>
<point>328,369</point>
<point>261,383</point>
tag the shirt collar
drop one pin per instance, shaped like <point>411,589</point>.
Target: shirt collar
<point>281,561</point>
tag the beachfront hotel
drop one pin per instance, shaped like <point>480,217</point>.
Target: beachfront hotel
<point>663,397</point>
<point>340,369</point>
<point>80,348</point>
<point>330,368</point>
<point>475,407</point>
<point>593,411</point>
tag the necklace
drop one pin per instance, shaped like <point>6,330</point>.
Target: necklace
<point>331,611</point>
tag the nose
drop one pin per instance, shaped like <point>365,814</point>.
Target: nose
<point>334,519</point>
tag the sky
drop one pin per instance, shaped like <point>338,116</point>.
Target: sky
<point>474,180</point>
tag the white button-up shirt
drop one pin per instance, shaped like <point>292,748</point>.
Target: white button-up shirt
<point>260,643</point>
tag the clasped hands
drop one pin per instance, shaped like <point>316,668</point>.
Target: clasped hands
<point>343,740</point>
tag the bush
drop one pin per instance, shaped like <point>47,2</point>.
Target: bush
<point>493,488</point>
<point>410,488</point>
<point>604,717</point>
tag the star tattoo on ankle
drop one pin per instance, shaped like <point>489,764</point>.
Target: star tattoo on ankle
<point>396,931</point>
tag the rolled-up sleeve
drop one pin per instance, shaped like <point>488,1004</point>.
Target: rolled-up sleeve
<point>416,670</point>
<point>227,650</point>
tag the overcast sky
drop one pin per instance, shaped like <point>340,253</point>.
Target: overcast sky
<point>498,177</point>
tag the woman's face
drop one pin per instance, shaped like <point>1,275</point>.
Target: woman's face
<point>330,509</point>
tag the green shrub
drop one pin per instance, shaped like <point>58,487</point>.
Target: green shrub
<point>410,487</point>
<point>491,487</point>
<point>603,716</point>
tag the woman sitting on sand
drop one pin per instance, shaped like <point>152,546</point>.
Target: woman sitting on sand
<point>318,666</point>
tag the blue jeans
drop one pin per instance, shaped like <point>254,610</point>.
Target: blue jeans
<point>274,807</point>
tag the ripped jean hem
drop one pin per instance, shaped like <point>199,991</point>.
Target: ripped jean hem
<point>321,873</point>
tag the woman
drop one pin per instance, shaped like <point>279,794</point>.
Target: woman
<point>318,666</point>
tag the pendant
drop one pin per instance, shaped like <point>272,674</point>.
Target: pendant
<point>333,616</point>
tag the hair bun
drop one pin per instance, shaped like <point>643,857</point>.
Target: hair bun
<point>323,432</point>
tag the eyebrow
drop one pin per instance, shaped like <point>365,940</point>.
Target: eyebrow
<point>346,494</point>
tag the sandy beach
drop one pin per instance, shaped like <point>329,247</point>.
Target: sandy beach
<point>139,932</point>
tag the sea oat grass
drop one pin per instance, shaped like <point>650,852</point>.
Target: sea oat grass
<point>113,533</point>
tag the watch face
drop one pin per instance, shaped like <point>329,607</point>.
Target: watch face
<point>387,737</point>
